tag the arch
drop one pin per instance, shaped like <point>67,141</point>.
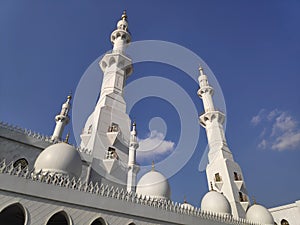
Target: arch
<point>284,222</point>
<point>22,161</point>
<point>59,218</point>
<point>112,60</point>
<point>131,223</point>
<point>14,214</point>
<point>99,221</point>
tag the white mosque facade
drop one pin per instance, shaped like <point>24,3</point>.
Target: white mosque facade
<point>46,181</point>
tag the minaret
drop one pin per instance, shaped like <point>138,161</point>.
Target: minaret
<point>222,171</point>
<point>107,130</point>
<point>133,168</point>
<point>61,120</point>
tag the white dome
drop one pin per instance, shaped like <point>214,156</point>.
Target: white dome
<point>214,201</point>
<point>154,185</point>
<point>259,214</point>
<point>59,158</point>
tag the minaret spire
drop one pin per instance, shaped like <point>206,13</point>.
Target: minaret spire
<point>124,15</point>
<point>108,128</point>
<point>62,119</point>
<point>133,168</point>
<point>121,37</point>
<point>223,173</point>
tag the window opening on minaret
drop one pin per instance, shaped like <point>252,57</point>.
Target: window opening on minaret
<point>113,128</point>
<point>243,197</point>
<point>218,178</point>
<point>237,176</point>
<point>111,153</point>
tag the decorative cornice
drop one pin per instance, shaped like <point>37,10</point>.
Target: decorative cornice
<point>116,193</point>
<point>38,136</point>
<point>25,131</point>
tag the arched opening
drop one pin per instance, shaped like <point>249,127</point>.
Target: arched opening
<point>13,215</point>
<point>98,221</point>
<point>22,162</point>
<point>284,222</point>
<point>131,223</point>
<point>60,218</point>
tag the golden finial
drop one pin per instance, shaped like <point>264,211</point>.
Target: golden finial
<point>67,138</point>
<point>124,15</point>
<point>153,166</point>
<point>69,96</point>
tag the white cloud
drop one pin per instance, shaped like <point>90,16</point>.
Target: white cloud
<point>283,123</point>
<point>154,145</point>
<point>263,144</point>
<point>280,130</point>
<point>272,114</point>
<point>258,118</point>
<point>287,141</point>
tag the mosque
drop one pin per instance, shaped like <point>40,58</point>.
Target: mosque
<point>46,181</point>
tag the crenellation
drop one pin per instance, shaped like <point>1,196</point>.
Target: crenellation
<point>113,192</point>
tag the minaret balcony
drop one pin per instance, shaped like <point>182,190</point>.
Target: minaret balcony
<point>120,61</point>
<point>210,116</point>
<point>205,89</point>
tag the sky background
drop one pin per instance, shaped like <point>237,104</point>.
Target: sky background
<point>252,48</point>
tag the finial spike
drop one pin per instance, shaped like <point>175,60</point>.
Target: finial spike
<point>67,138</point>
<point>69,97</point>
<point>184,199</point>
<point>211,186</point>
<point>124,15</point>
<point>153,166</point>
<point>254,200</point>
<point>201,70</point>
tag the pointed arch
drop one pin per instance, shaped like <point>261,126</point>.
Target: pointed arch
<point>23,162</point>
<point>131,223</point>
<point>59,218</point>
<point>14,213</point>
<point>112,60</point>
<point>284,222</point>
<point>98,221</point>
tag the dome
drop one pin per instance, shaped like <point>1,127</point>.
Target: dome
<point>214,201</point>
<point>59,158</point>
<point>259,214</point>
<point>154,185</point>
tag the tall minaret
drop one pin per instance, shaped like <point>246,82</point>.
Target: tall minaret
<point>107,130</point>
<point>61,120</point>
<point>133,168</point>
<point>222,171</point>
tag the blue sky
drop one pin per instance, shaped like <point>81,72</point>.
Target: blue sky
<point>252,48</point>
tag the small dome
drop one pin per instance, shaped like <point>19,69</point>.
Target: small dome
<point>259,214</point>
<point>154,185</point>
<point>59,158</point>
<point>214,201</point>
